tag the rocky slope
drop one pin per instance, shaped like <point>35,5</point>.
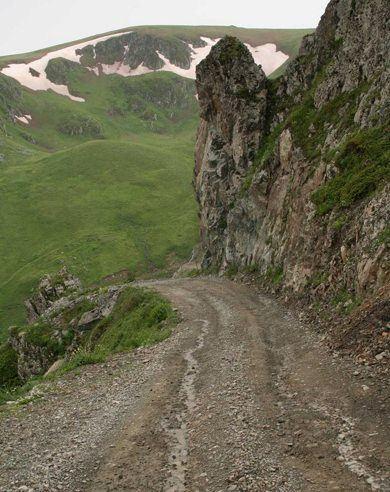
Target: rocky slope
<point>71,325</point>
<point>291,176</point>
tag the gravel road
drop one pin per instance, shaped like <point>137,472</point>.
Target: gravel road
<point>241,397</point>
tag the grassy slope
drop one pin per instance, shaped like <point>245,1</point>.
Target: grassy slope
<point>140,318</point>
<point>97,205</point>
<point>93,213</point>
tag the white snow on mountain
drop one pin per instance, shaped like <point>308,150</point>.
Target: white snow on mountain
<point>265,55</point>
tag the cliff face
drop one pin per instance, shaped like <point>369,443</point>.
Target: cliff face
<point>292,175</point>
<point>232,95</point>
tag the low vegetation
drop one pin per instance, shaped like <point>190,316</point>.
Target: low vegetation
<point>140,318</point>
<point>8,366</point>
<point>363,163</point>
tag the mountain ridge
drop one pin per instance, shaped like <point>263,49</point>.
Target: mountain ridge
<point>135,51</point>
<point>249,35</point>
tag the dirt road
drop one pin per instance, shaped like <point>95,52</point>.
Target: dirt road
<point>240,397</point>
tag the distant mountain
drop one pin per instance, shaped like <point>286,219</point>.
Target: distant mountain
<point>141,50</point>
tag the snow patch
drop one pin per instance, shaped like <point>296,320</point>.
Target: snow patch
<point>24,119</point>
<point>265,55</point>
<point>21,71</point>
<point>268,57</point>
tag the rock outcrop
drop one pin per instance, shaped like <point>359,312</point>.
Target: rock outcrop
<point>291,175</point>
<point>60,314</point>
<point>51,289</point>
<point>232,97</point>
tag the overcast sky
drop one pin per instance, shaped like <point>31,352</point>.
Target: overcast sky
<point>27,25</point>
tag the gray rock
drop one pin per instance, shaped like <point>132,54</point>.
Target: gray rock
<point>51,289</point>
<point>258,213</point>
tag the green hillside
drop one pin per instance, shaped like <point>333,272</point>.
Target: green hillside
<point>94,213</point>
<point>117,195</point>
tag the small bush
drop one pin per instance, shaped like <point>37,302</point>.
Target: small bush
<point>339,222</point>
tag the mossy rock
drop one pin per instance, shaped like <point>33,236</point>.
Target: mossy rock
<point>59,70</point>
<point>231,49</point>
<point>79,124</point>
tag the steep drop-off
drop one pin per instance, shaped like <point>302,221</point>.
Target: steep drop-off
<point>292,175</point>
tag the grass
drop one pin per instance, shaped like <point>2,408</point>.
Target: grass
<point>80,208</point>
<point>274,274</point>
<point>309,125</point>
<point>8,366</point>
<point>384,237</point>
<point>344,301</point>
<point>140,318</point>
<point>19,392</point>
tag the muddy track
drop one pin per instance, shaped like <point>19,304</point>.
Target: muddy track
<point>241,397</point>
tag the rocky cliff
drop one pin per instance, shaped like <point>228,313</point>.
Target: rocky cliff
<point>292,175</point>
<point>70,325</point>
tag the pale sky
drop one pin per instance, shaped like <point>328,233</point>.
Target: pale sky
<point>27,25</point>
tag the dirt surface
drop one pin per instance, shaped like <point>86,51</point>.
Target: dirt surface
<point>241,397</point>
